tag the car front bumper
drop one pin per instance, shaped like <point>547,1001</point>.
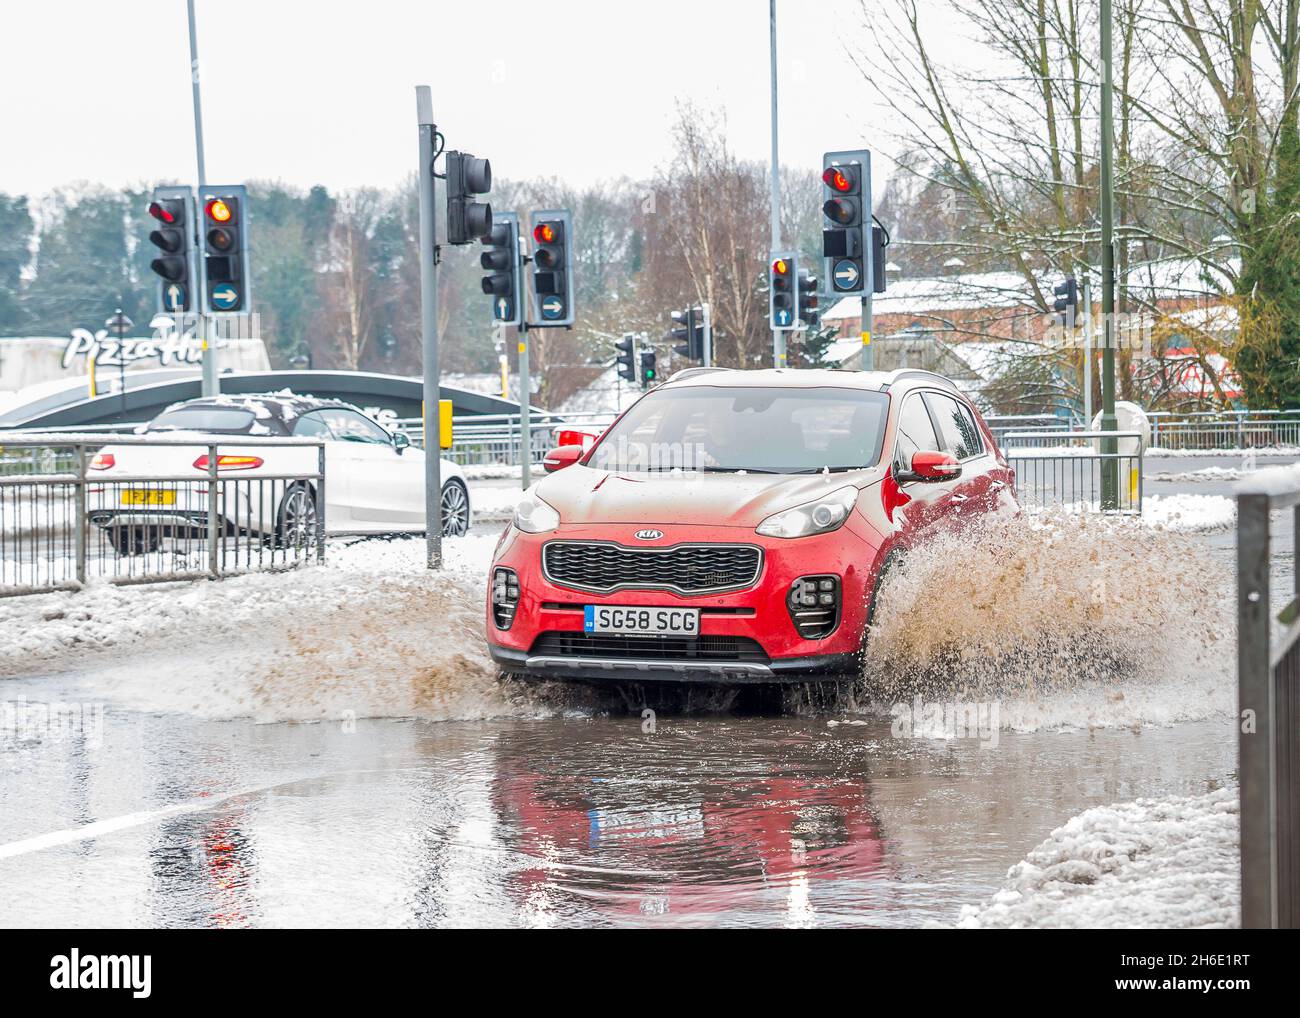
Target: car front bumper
<point>756,618</point>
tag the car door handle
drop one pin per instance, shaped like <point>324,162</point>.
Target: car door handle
<point>959,497</point>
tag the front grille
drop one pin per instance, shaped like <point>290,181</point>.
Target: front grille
<point>657,648</point>
<point>603,567</point>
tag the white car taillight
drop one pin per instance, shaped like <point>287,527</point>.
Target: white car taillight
<point>102,461</point>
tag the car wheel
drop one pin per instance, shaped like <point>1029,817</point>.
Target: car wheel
<point>295,521</point>
<point>455,509</point>
<point>893,561</point>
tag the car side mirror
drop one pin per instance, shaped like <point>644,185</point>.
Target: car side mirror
<point>562,456</point>
<point>401,441</point>
<point>930,466</point>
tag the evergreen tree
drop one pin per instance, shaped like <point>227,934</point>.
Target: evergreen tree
<point>15,238</point>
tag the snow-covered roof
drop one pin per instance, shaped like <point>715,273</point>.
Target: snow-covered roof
<point>1167,278</point>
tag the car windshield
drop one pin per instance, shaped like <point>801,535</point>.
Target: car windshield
<point>762,430</point>
<point>217,420</point>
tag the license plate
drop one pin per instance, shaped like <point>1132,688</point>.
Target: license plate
<point>140,496</point>
<point>631,620</point>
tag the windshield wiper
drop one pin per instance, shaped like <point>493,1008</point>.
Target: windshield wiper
<point>740,470</point>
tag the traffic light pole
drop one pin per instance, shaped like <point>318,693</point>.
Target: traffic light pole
<point>429,328</point>
<point>707,312</point>
<point>1110,466</point>
<point>211,378</point>
<point>778,336</point>
<point>868,351</point>
<point>1087,353</point>
<point>525,408</point>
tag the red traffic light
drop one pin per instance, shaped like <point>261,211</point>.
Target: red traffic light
<point>546,233</point>
<point>838,178</point>
<point>218,211</point>
<point>780,267</point>
<point>162,212</point>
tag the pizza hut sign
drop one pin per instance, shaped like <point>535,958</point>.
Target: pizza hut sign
<point>168,345</point>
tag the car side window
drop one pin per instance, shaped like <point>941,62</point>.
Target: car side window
<point>311,426</point>
<point>957,426</point>
<point>350,426</point>
<point>915,432</point>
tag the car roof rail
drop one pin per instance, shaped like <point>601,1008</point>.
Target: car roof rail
<point>920,375</point>
<point>677,376</point>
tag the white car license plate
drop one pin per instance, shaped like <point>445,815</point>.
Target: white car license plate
<point>632,620</point>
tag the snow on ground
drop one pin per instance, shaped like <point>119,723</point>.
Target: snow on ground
<point>491,471</point>
<point>1204,474</point>
<point>1272,481</point>
<point>1151,863</point>
<point>1159,453</point>
<point>495,503</point>
<point>1194,513</point>
<point>370,633</point>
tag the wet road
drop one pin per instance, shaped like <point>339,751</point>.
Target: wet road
<point>143,817</point>
<point>705,821</point>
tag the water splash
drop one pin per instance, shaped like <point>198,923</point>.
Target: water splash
<point>1067,620</point>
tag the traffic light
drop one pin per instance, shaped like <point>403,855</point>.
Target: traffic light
<point>501,261</point>
<point>846,206</point>
<point>879,241</point>
<point>552,267</point>
<point>688,334</point>
<point>783,270</point>
<point>807,290</point>
<point>170,208</point>
<point>1066,304</point>
<point>648,359</point>
<point>224,221</point>
<point>626,359</point>
<point>467,219</point>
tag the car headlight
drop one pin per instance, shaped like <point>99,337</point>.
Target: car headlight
<point>818,517</point>
<point>533,516</point>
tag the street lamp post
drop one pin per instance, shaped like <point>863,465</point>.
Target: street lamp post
<point>1109,446</point>
<point>120,325</point>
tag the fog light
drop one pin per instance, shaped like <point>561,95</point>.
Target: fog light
<point>814,605</point>
<point>505,597</point>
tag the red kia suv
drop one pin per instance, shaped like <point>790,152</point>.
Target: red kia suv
<point>732,526</point>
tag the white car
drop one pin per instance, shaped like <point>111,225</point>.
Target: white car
<point>374,479</point>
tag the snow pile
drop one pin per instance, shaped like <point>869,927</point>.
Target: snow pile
<point>1194,513</point>
<point>1272,481</point>
<point>1159,453</point>
<point>495,503</point>
<point>1204,474</point>
<point>372,633</point>
<point>490,471</point>
<point>1065,621</point>
<point>1150,863</point>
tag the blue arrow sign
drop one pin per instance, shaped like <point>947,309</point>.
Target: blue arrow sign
<point>552,308</point>
<point>783,317</point>
<point>846,274</point>
<point>224,296</point>
<point>174,297</point>
<point>502,311</point>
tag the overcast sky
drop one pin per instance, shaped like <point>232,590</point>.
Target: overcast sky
<point>323,91</point>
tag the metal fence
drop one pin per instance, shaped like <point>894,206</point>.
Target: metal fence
<point>1067,468</point>
<point>1245,429</point>
<point>70,513</point>
<point>498,438</point>
<point>1268,702</point>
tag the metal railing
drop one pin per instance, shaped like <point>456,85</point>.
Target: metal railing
<point>498,438</point>
<point>67,519</point>
<point>1268,704</point>
<point>1057,469</point>
<point>1238,429</point>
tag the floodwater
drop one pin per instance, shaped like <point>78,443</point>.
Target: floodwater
<point>725,821</point>
<point>165,811</point>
